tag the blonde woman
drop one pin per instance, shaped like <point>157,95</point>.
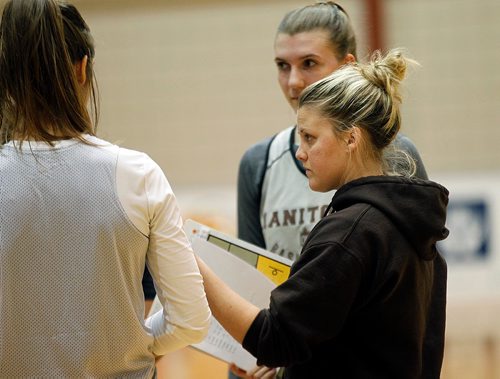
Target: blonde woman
<point>367,296</point>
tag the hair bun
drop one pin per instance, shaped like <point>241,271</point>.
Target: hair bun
<point>386,72</point>
<point>364,96</point>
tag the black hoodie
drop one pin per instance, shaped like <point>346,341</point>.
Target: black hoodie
<point>367,296</point>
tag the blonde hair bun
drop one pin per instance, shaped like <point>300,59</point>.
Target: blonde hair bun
<point>387,72</point>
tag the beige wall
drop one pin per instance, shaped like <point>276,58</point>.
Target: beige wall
<point>193,83</point>
<point>193,86</point>
<point>453,108</point>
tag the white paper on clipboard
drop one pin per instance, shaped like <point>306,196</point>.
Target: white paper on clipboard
<point>249,283</point>
<point>244,279</point>
<point>249,270</point>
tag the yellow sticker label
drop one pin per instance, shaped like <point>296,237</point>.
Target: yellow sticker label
<point>276,271</point>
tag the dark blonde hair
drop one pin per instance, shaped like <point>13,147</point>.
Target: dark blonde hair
<point>40,97</point>
<point>366,96</point>
<point>325,16</point>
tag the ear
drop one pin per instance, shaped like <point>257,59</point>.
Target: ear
<point>81,70</point>
<point>349,58</point>
<point>353,138</point>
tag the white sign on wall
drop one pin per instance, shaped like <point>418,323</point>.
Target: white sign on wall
<point>472,249</point>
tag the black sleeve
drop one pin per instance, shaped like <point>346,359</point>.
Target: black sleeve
<point>404,143</point>
<point>307,309</point>
<point>250,176</point>
<point>148,285</point>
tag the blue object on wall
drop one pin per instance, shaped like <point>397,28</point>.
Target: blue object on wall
<point>469,223</point>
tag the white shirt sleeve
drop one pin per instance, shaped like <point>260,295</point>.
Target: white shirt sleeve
<point>149,201</point>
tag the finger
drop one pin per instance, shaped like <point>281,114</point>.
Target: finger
<point>253,371</point>
<point>270,374</point>
<point>237,370</point>
<point>264,372</point>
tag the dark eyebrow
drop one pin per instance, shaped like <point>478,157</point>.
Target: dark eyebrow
<point>309,56</point>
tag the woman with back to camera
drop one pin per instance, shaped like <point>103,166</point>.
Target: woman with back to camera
<point>80,218</point>
<point>367,296</point>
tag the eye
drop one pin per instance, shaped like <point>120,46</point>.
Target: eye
<point>309,63</point>
<point>306,137</point>
<point>282,66</point>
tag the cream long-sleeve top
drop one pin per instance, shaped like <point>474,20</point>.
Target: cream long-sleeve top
<point>78,224</point>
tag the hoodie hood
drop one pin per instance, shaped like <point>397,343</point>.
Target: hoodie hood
<point>416,207</point>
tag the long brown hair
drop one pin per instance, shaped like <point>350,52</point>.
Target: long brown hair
<point>40,96</point>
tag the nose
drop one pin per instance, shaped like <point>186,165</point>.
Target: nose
<point>300,154</point>
<point>296,81</point>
